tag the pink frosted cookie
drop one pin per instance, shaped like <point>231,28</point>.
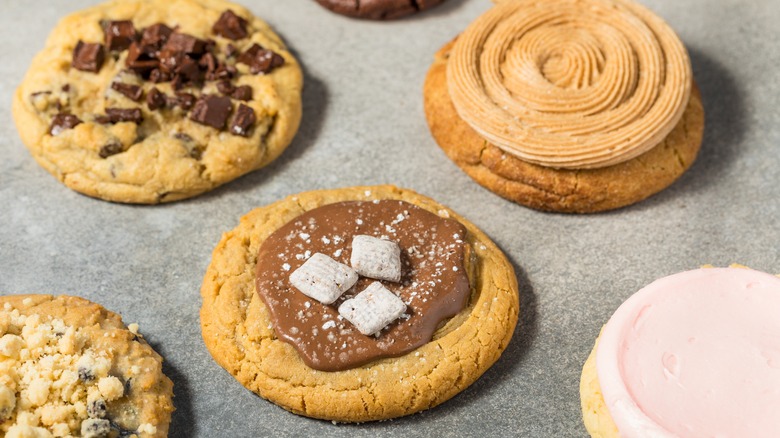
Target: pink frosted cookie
<point>695,354</point>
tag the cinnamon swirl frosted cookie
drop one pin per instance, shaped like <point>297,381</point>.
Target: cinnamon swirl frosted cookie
<point>692,354</point>
<point>563,105</point>
<point>147,101</point>
<point>357,304</point>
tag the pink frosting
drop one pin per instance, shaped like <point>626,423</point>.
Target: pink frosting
<point>695,354</point>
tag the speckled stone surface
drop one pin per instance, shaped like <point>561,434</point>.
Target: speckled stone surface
<point>363,124</point>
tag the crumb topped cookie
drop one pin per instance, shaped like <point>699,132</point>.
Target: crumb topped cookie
<point>357,304</point>
<point>69,367</point>
<point>145,102</point>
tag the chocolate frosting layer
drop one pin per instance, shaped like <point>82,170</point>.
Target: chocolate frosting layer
<point>434,283</point>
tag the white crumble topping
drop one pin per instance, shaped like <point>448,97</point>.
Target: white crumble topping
<point>286,266</point>
<point>50,381</point>
<point>133,328</point>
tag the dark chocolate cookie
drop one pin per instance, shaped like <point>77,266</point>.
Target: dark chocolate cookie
<point>378,9</point>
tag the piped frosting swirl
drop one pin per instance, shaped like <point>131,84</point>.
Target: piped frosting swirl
<point>570,83</point>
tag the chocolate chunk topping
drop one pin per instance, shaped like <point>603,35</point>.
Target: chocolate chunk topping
<point>139,60</point>
<point>189,71</point>
<point>156,35</point>
<point>243,121</point>
<point>155,99</point>
<point>61,122</point>
<point>66,88</point>
<point>170,60</point>
<point>88,57</point>
<point>132,92</point>
<point>119,34</point>
<point>184,100</point>
<point>109,149</point>
<point>261,60</point>
<point>181,42</point>
<point>231,51</point>
<point>225,87</point>
<point>183,137</point>
<point>116,115</point>
<point>158,76</point>
<point>230,26</point>
<point>223,71</point>
<point>212,110</point>
<point>209,62</point>
<point>243,92</point>
<point>434,282</point>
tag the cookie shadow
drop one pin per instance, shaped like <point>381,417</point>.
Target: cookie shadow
<point>444,9</point>
<point>314,99</point>
<point>725,125</point>
<point>522,339</point>
<point>183,418</point>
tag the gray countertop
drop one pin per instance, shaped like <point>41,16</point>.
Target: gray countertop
<point>364,124</point>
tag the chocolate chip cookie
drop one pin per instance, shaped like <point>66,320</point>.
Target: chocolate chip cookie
<point>357,304</point>
<point>69,367</point>
<point>146,102</point>
<point>378,9</point>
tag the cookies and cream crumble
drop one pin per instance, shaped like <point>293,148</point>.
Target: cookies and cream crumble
<point>51,383</point>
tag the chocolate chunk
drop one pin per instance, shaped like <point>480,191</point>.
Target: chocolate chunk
<point>183,137</point>
<point>223,71</point>
<point>158,76</point>
<point>225,87</point>
<point>139,60</point>
<point>109,149</point>
<point>88,57</point>
<point>132,92</point>
<point>181,42</point>
<point>66,88</point>
<point>208,62</point>
<point>231,51</point>
<point>212,110</point>
<point>155,99</point>
<point>170,60</point>
<point>189,71</point>
<point>184,100</point>
<point>119,34</point>
<point>243,92</point>
<point>156,35</point>
<point>261,60</point>
<point>116,115</point>
<point>230,26</point>
<point>243,121</point>
<point>61,122</point>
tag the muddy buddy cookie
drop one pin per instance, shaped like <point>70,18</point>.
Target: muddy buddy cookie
<point>357,304</point>
<point>378,9</point>
<point>693,354</point>
<point>567,105</point>
<point>147,101</point>
<point>69,367</point>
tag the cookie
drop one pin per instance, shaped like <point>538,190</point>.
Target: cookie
<point>378,9</point>
<point>565,140</point>
<point>691,354</point>
<point>69,367</point>
<point>144,101</point>
<point>459,304</point>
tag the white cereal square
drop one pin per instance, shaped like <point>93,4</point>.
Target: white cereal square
<point>323,278</point>
<point>376,258</point>
<point>372,309</point>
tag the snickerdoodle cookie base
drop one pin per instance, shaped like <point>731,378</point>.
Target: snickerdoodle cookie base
<point>561,190</point>
<point>69,367</point>
<point>237,329</point>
